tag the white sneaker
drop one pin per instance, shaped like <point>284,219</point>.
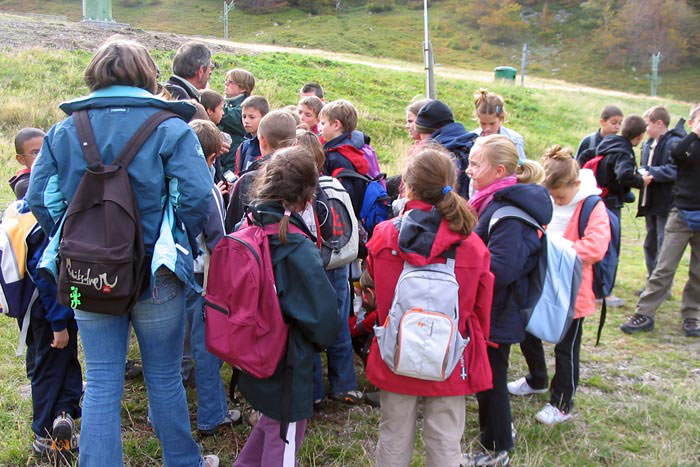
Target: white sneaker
<point>551,415</point>
<point>211,461</point>
<point>521,388</point>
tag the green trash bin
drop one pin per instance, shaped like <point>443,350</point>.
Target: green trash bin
<point>506,73</point>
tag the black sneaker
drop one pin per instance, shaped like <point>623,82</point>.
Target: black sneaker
<point>372,398</point>
<point>232,417</point>
<point>486,458</point>
<point>350,397</point>
<point>132,369</point>
<point>691,327</point>
<point>637,323</point>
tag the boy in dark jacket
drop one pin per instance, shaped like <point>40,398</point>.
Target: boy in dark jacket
<point>52,341</point>
<point>682,228</point>
<point>610,121</point>
<point>254,108</point>
<point>238,86</point>
<point>617,171</point>
<point>435,122</point>
<point>659,173</point>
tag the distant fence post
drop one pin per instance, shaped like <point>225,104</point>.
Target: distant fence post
<point>523,66</point>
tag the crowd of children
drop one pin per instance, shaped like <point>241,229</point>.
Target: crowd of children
<point>440,252</point>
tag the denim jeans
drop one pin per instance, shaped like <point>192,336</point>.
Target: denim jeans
<point>159,323</point>
<point>341,372</point>
<point>211,396</point>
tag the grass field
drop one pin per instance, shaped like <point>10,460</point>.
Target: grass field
<point>565,53</point>
<point>638,400</point>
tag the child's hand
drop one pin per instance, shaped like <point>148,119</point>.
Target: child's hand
<point>222,187</point>
<point>225,147</point>
<point>647,179</point>
<point>60,339</point>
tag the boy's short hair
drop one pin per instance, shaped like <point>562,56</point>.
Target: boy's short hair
<point>209,136</point>
<point>366,281</point>
<point>610,111</point>
<point>243,78</point>
<point>656,113</point>
<point>258,103</point>
<point>633,126</point>
<point>343,111</point>
<point>200,113</point>
<point>292,109</point>
<point>312,87</point>
<point>24,135</point>
<point>278,128</point>
<point>312,102</point>
<point>210,99</point>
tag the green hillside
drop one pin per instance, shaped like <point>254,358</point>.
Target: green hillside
<point>561,47</point>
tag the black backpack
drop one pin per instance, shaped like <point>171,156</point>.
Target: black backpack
<point>103,268</point>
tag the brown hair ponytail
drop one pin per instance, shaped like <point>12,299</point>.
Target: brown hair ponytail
<point>431,177</point>
<point>289,178</point>
<point>560,167</point>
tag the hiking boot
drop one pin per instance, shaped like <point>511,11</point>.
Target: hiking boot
<point>349,397</point>
<point>551,415</point>
<point>486,458</point>
<point>614,302</point>
<point>232,417</point>
<point>62,432</point>
<point>637,323</point>
<point>211,460</point>
<point>691,327</point>
<point>521,388</point>
<point>132,370</point>
<point>41,446</point>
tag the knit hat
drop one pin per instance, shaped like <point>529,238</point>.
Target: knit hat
<point>433,116</point>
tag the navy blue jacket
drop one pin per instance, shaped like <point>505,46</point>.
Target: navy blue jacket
<point>455,138</point>
<point>659,192</point>
<point>515,248</point>
<point>686,155</point>
<point>345,152</point>
<point>618,170</point>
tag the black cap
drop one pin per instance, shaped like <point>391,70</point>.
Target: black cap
<point>433,116</point>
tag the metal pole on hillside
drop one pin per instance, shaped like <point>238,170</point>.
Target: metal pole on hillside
<point>428,57</point>
<point>655,80</point>
<point>523,66</point>
<point>228,6</point>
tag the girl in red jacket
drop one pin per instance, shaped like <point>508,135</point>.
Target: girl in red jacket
<point>568,188</point>
<point>435,220</point>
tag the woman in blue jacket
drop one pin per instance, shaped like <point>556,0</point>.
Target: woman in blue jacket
<point>171,186</point>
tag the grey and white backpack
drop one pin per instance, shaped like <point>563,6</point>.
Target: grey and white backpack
<point>420,337</point>
<point>339,226</point>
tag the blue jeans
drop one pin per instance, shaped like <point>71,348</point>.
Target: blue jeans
<point>341,372</point>
<point>211,396</point>
<point>159,322</point>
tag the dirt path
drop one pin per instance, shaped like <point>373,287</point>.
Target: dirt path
<point>25,31</point>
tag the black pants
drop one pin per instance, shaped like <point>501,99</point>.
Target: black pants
<point>566,367</point>
<point>494,405</point>
<point>29,357</point>
<point>57,382</point>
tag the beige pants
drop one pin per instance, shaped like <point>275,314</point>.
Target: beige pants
<point>442,430</point>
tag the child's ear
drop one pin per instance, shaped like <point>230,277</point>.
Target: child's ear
<point>19,159</point>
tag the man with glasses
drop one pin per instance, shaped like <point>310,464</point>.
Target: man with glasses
<point>192,67</point>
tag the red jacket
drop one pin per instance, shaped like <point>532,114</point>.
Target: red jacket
<point>431,237</point>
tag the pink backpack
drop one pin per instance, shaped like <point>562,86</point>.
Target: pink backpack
<point>244,323</point>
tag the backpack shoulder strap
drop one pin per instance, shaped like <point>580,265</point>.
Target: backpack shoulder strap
<point>588,205</point>
<point>342,172</point>
<point>87,139</point>
<point>512,212</point>
<point>593,140</point>
<point>142,134</point>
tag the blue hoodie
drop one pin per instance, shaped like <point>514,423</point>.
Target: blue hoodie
<point>169,175</point>
<point>455,138</point>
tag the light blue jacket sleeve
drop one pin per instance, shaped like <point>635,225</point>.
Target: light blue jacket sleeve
<point>45,199</point>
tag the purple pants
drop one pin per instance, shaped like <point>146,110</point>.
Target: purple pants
<point>265,448</point>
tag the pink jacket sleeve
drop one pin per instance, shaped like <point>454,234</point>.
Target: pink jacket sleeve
<point>596,237</point>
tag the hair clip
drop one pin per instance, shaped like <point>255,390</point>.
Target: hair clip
<point>446,190</point>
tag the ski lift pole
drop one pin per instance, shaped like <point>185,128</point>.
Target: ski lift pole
<point>523,65</point>
<point>228,6</point>
<point>428,56</point>
<point>655,59</point>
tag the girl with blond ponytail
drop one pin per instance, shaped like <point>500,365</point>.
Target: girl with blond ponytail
<point>501,180</point>
<point>569,188</point>
<point>435,223</point>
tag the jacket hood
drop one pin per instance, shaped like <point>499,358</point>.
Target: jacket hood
<point>359,139</point>
<point>531,198</point>
<point>127,96</point>
<point>454,135</point>
<point>423,234</point>
<point>345,144</point>
<point>588,186</point>
<point>614,143</point>
<point>679,129</point>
